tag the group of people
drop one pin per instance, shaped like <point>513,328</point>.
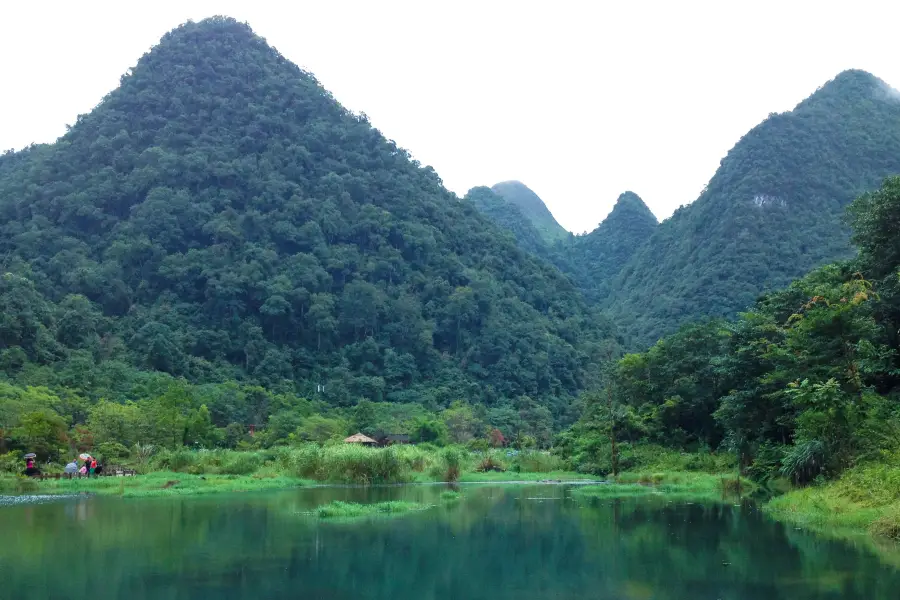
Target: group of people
<point>89,466</point>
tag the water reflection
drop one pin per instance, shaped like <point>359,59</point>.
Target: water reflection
<point>498,542</point>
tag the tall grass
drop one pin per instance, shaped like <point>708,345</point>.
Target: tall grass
<point>672,484</point>
<point>209,462</point>
<point>347,463</point>
<point>532,461</point>
<point>865,498</point>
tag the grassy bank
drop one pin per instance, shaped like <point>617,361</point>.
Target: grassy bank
<point>153,484</point>
<point>865,500</point>
<point>508,476</point>
<point>208,471</point>
<point>671,484</point>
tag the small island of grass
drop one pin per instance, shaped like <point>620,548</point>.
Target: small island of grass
<point>354,510</point>
<point>450,496</point>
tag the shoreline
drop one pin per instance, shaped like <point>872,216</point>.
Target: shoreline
<point>170,483</point>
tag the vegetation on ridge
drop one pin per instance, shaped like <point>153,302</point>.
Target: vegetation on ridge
<point>220,242</point>
<point>772,212</point>
<point>529,204</point>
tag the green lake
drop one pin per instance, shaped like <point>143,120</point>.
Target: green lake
<point>497,542</point>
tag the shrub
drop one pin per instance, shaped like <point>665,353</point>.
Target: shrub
<point>888,525</point>
<point>11,462</point>
<point>240,463</point>
<point>111,451</point>
<point>533,461</point>
<point>141,454</point>
<point>174,460</point>
<point>346,463</point>
<point>453,458</point>
<point>490,462</point>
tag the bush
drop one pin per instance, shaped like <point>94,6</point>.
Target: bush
<point>174,460</point>
<point>141,454</point>
<point>348,463</point>
<point>111,451</point>
<point>888,525</point>
<point>240,463</point>
<point>478,445</point>
<point>533,461</point>
<point>11,462</point>
<point>490,462</point>
<point>453,459</point>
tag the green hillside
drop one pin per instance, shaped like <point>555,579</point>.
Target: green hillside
<point>772,211</point>
<point>509,217</point>
<point>220,217</point>
<point>597,257</point>
<point>532,207</point>
<point>803,386</point>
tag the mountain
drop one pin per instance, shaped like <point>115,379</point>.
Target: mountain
<point>509,217</point>
<point>772,211</point>
<point>531,206</point>
<point>600,255</point>
<point>220,216</point>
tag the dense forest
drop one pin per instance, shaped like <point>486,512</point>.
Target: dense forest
<point>596,258</point>
<point>804,384</point>
<point>219,247</point>
<point>510,218</point>
<point>591,261</point>
<point>520,197</point>
<point>220,235</point>
<point>772,212</point>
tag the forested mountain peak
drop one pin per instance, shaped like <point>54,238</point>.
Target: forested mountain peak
<point>630,206</point>
<point>220,216</point>
<point>849,86</point>
<point>531,205</point>
<point>510,217</point>
<point>772,211</point>
<point>598,256</point>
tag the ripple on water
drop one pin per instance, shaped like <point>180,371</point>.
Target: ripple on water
<point>36,499</point>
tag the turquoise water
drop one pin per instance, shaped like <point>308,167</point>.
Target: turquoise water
<point>497,542</point>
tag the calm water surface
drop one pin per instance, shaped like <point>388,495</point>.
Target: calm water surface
<point>498,542</point>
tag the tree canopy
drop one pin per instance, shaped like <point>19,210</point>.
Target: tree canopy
<point>219,218</point>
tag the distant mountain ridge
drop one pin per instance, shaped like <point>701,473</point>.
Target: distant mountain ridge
<point>533,208</point>
<point>509,217</point>
<point>600,255</point>
<point>772,211</point>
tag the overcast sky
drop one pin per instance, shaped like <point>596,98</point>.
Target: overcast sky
<point>577,100</point>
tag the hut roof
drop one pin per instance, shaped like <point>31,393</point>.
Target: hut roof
<point>360,439</point>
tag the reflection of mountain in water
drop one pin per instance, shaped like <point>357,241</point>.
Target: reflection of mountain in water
<point>495,543</point>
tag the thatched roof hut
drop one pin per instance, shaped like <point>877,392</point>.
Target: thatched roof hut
<point>361,439</point>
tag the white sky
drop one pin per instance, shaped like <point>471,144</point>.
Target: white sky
<point>578,100</point>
